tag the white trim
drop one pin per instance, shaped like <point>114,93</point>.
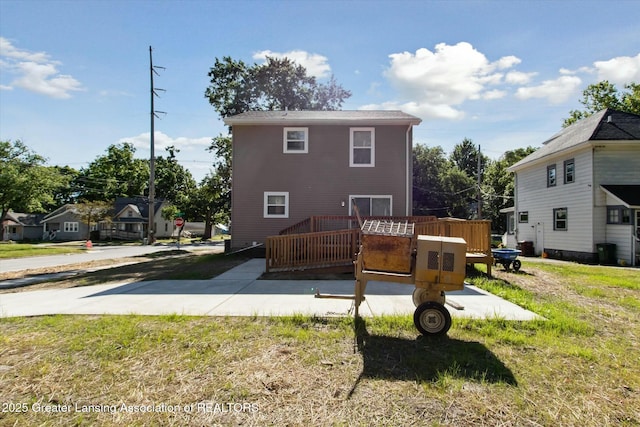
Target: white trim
<point>372,130</point>
<point>371,196</point>
<point>285,140</point>
<point>70,227</point>
<point>266,204</point>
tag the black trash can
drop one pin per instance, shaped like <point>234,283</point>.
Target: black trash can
<point>606,253</point>
<point>526,247</point>
<point>227,246</point>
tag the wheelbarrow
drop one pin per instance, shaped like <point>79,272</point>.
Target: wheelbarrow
<point>507,257</point>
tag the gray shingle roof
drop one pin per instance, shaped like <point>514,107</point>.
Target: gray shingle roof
<point>629,194</point>
<point>604,125</point>
<point>328,117</point>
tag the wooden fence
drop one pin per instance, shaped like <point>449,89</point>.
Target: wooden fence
<point>311,250</point>
<point>307,249</point>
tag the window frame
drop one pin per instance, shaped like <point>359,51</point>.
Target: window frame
<point>352,147</point>
<point>571,162</point>
<point>552,182</point>
<point>620,214</point>
<point>266,204</point>
<point>523,217</point>
<point>556,211</point>
<point>70,227</point>
<point>286,140</point>
<point>371,197</point>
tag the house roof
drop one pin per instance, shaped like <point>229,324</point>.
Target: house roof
<point>629,195</point>
<point>139,205</point>
<point>24,219</point>
<point>605,125</point>
<point>62,210</point>
<point>392,117</point>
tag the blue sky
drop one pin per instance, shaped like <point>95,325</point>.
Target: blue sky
<point>74,75</point>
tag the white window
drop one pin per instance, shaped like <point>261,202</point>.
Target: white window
<point>362,147</point>
<point>569,171</point>
<point>276,204</point>
<point>523,216</point>
<point>371,205</point>
<point>295,140</point>
<point>551,176</point>
<point>70,227</point>
<point>560,219</point>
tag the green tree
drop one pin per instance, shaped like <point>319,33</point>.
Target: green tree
<point>459,192</point>
<point>173,182</point>
<point>26,183</point>
<point>277,84</point>
<point>601,95</point>
<point>116,174</point>
<point>465,156</point>
<point>212,200</point>
<point>498,186</point>
<point>429,164</point>
<point>92,212</point>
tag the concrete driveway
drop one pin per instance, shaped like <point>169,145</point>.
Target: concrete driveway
<point>238,293</point>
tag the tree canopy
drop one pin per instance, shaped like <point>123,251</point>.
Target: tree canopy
<point>603,95</point>
<point>116,174</point>
<point>26,183</point>
<point>277,84</point>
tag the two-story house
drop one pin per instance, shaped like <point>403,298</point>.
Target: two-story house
<point>580,192</point>
<point>290,165</point>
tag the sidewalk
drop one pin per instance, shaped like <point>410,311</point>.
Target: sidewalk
<point>237,292</point>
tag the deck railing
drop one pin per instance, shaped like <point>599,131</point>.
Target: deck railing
<point>311,250</point>
<point>315,249</point>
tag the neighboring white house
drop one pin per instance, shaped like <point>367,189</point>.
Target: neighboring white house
<point>579,194</point>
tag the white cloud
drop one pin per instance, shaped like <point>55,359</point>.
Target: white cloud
<point>619,70</point>
<point>35,72</point>
<point>433,84</point>
<point>161,141</point>
<point>315,64</point>
<point>556,91</point>
<point>518,77</point>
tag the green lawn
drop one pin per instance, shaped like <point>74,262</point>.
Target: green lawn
<point>21,250</point>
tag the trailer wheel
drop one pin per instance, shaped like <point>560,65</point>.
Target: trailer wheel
<point>517,264</point>
<point>421,295</point>
<point>432,318</point>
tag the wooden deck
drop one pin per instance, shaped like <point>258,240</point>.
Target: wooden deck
<point>299,248</point>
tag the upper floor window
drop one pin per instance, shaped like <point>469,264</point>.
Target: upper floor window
<point>276,204</point>
<point>569,171</point>
<point>551,176</point>
<point>362,147</point>
<point>295,140</point>
<point>560,219</point>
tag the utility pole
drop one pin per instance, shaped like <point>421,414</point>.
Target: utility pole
<point>479,197</point>
<point>152,158</point>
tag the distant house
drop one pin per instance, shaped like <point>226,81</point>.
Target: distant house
<point>291,165</point>
<point>579,194</point>
<point>65,223</point>
<point>130,220</point>
<point>22,226</point>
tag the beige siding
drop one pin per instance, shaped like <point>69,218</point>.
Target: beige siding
<point>317,182</point>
